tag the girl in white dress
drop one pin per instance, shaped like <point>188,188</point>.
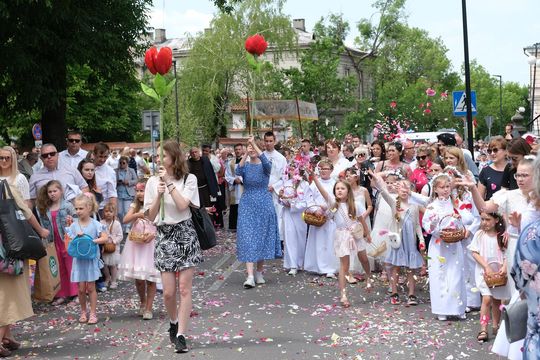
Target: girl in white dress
<point>361,198</point>
<point>407,224</point>
<point>383,221</point>
<point>347,217</point>
<point>445,265</point>
<point>488,250</point>
<point>320,257</point>
<point>293,199</point>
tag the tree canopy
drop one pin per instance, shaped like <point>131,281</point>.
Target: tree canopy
<point>43,40</point>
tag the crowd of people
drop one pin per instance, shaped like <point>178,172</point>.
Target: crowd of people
<point>401,209</point>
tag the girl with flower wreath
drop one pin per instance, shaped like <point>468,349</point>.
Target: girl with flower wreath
<point>320,257</point>
<point>292,197</point>
<point>363,199</point>
<point>407,255</point>
<point>346,216</point>
<point>447,289</point>
<point>488,250</point>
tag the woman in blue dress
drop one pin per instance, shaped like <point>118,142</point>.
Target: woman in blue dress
<point>257,234</point>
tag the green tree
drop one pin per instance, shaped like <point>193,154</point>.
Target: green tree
<point>405,62</point>
<point>91,97</point>
<point>488,99</point>
<point>216,73</point>
<point>42,39</point>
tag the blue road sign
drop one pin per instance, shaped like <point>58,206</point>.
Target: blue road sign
<point>36,131</point>
<point>460,107</point>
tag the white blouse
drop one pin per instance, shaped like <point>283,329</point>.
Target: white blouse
<point>22,185</point>
<point>173,215</point>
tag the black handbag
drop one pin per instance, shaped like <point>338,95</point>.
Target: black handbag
<point>19,239</point>
<point>515,320</point>
<point>204,228</point>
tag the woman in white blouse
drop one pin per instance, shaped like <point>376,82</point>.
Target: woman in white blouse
<point>177,249</point>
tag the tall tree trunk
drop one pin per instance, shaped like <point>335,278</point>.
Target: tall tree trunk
<point>53,117</point>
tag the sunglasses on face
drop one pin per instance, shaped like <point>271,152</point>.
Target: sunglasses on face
<point>49,155</point>
<point>74,140</point>
<point>493,150</point>
<point>521,176</point>
<point>423,157</point>
<point>361,155</point>
<point>5,158</point>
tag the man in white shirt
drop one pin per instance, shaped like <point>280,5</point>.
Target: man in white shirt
<point>142,168</point>
<point>105,175</point>
<point>72,156</point>
<point>305,148</point>
<point>279,163</point>
<point>72,181</point>
<point>112,161</point>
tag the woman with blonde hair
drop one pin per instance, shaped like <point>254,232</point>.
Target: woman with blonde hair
<point>15,302</point>
<point>454,157</point>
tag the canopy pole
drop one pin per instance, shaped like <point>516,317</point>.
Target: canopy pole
<point>299,119</point>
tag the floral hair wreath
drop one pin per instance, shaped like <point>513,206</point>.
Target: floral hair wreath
<point>442,175</point>
<point>452,170</point>
<point>395,172</point>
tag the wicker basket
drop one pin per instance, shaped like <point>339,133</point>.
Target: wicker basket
<point>109,248</point>
<point>495,279</point>
<point>452,235</point>
<point>141,230</point>
<point>311,218</point>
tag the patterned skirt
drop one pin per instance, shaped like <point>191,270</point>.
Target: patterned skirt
<point>177,247</point>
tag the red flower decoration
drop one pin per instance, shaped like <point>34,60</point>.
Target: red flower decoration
<point>427,111</point>
<point>256,45</point>
<point>444,95</point>
<point>430,92</point>
<point>393,104</point>
<point>158,61</point>
<point>465,206</point>
<point>149,57</point>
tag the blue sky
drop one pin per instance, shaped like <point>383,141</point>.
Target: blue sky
<point>498,29</point>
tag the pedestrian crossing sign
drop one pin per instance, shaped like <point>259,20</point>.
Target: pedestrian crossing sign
<point>460,108</point>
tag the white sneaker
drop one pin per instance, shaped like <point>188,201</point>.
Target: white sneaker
<point>259,279</point>
<point>292,272</point>
<point>330,276</point>
<point>147,315</point>
<point>249,283</point>
<point>113,285</point>
<point>442,318</point>
<point>463,316</point>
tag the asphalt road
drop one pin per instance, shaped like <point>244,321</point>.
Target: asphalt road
<point>290,317</point>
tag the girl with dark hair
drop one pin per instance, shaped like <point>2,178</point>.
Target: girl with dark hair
<point>517,150</point>
<point>393,161</point>
<point>177,250</point>
<point>88,171</point>
<point>489,250</point>
<point>378,152</point>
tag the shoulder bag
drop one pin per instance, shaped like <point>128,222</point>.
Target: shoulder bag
<point>203,226</point>
<point>515,320</point>
<point>19,238</point>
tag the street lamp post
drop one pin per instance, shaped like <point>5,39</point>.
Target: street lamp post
<point>500,96</point>
<point>533,61</point>
<point>470,140</point>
